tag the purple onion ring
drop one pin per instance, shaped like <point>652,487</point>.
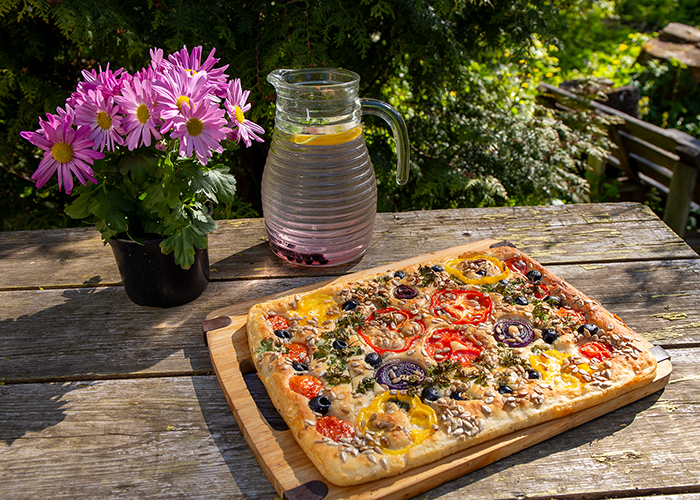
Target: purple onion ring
<point>400,374</point>
<point>405,292</point>
<point>514,332</point>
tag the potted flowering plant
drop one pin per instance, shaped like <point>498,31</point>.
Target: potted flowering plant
<point>143,148</point>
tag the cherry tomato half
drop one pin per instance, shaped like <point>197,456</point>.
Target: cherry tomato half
<point>540,290</point>
<point>574,315</point>
<point>400,325</point>
<point>297,351</point>
<point>306,385</point>
<point>452,345</point>
<point>334,428</point>
<point>278,322</point>
<point>517,265</point>
<point>596,350</point>
<point>461,306</point>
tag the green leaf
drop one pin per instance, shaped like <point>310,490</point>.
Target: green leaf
<point>141,165</point>
<point>183,242</point>
<point>83,206</point>
<point>112,211</point>
<point>216,184</point>
<point>202,220</point>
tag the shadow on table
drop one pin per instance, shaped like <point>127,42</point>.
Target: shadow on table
<point>521,464</point>
<point>87,334</point>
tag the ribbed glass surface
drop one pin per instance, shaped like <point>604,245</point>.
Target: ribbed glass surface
<point>319,202</point>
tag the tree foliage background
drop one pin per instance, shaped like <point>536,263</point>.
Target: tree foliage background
<point>475,140</point>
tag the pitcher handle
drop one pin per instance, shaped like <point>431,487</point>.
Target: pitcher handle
<point>398,128</point>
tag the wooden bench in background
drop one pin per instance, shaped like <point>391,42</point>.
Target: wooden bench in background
<point>667,159</point>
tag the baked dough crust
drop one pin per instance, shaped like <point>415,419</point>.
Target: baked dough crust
<point>504,387</point>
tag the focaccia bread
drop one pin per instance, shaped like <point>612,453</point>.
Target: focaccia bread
<point>388,372</point>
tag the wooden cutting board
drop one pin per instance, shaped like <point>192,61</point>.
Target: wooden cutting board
<point>287,467</point>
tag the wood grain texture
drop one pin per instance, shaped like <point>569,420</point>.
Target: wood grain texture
<point>64,318</point>
<point>176,438</point>
<point>87,334</point>
<point>239,250</point>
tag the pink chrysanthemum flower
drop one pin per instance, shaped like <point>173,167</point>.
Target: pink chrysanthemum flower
<point>137,103</point>
<point>102,116</point>
<point>237,106</point>
<point>175,89</point>
<point>200,128</point>
<point>192,64</point>
<point>107,81</point>
<point>67,152</point>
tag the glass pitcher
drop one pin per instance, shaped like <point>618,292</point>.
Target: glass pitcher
<point>319,193</point>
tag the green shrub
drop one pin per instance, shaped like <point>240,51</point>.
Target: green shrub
<point>412,53</point>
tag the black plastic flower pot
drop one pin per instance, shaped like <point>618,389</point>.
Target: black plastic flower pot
<point>152,278</point>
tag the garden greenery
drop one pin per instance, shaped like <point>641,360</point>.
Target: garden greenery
<point>462,72</point>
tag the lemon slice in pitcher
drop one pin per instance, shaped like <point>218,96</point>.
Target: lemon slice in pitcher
<point>327,139</point>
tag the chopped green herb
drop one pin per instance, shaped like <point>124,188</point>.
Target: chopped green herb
<point>507,358</point>
<point>269,345</point>
<point>427,274</point>
<point>381,301</point>
<point>366,385</point>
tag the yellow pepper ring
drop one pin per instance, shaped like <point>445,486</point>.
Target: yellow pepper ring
<point>451,267</point>
<point>327,139</point>
<point>316,305</point>
<point>421,416</point>
<point>550,365</point>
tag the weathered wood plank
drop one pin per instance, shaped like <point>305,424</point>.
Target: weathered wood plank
<point>176,438</point>
<point>151,438</point>
<point>239,249</point>
<point>79,334</point>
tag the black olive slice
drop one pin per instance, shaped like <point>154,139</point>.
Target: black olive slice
<point>430,394</point>
<point>373,359</point>
<point>283,334</point>
<point>534,275</point>
<point>320,404</point>
<point>350,305</point>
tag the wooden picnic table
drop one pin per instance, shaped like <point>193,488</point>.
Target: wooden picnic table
<point>100,398</point>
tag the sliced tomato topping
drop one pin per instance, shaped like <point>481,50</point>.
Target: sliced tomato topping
<point>278,322</point>
<point>297,351</point>
<point>400,326</point>
<point>306,385</point>
<point>334,428</point>
<point>461,306</point>
<point>451,344</point>
<point>596,350</point>
<point>540,290</point>
<point>517,265</point>
<point>571,314</point>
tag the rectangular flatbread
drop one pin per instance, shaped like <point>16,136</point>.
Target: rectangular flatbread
<point>377,375</point>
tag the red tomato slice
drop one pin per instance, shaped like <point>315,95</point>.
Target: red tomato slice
<point>540,290</point>
<point>278,322</point>
<point>571,314</point>
<point>461,306</point>
<point>444,342</point>
<point>517,265</point>
<point>306,385</point>
<point>596,350</point>
<point>396,328</point>
<point>297,351</point>
<point>334,428</point>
